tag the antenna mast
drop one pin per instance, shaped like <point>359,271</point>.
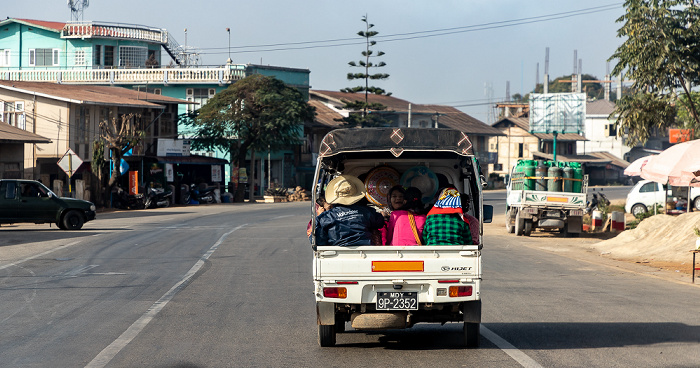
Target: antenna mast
<point>76,9</point>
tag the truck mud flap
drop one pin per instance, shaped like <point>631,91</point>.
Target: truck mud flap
<point>472,311</point>
<point>325,313</point>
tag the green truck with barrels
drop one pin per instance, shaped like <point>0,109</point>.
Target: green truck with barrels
<point>547,195</point>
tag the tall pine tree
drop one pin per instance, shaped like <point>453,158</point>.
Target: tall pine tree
<point>366,118</point>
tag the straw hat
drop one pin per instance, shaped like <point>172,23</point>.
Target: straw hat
<point>345,189</point>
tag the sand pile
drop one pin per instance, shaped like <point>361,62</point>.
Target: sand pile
<point>659,238</point>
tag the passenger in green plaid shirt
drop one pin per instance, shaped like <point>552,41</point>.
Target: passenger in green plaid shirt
<point>445,224</point>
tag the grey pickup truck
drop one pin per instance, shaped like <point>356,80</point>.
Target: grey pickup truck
<point>32,202</point>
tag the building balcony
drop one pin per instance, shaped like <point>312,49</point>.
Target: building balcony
<point>215,75</point>
<point>114,30</point>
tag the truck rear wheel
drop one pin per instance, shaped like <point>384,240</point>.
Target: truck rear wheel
<point>527,227</point>
<point>509,226</point>
<point>326,335</point>
<point>519,224</point>
<point>472,334</point>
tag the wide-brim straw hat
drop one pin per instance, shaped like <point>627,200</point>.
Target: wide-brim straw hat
<point>345,189</point>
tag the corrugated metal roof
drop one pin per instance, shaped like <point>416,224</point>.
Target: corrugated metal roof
<point>52,26</point>
<point>524,123</point>
<point>449,117</point>
<point>91,94</point>
<point>588,159</point>
<point>600,107</point>
<point>325,116</point>
<point>10,134</point>
<point>613,159</point>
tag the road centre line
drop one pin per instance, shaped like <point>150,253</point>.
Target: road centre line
<point>108,353</point>
<point>39,255</point>
<point>509,349</point>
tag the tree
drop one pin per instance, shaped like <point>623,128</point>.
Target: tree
<point>662,41</point>
<point>593,90</point>
<point>256,113</point>
<point>120,134</point>
<point>366,119</point>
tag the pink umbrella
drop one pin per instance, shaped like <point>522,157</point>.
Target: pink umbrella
<point>635,168</point>
<point>667,166</point>
<point>691,174</point>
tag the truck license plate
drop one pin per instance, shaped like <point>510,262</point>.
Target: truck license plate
<point>397,300</point>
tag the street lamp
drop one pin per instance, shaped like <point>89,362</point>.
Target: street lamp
<point>229,61</point>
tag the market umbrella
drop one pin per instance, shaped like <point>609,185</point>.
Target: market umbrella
<point>635,168</point>
<point>691,174</point>
<point>666,167</point>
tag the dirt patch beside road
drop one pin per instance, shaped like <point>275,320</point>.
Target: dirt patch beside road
<point>659,246</point>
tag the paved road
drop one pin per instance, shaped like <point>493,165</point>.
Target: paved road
<point>230,285</point>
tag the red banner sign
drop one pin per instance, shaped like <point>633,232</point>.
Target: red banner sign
<point>680,135</point>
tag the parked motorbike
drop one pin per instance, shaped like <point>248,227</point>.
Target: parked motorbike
<point>158,197</point>
<point>195,195</point>
<point>593,204</point>
<point>123,200</point>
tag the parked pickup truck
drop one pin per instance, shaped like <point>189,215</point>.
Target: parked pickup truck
<point>30,201</point>
<point>394,287</point>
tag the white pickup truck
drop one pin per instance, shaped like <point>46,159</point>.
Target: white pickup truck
<point>394,287</point>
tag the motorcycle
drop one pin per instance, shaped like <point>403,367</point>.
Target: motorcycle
<point>196,196</point>
<point>593,204</point>
<point>158,197</point>
<point>123,200</point>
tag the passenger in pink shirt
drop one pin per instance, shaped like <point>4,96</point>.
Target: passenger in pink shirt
<point>399,229</point>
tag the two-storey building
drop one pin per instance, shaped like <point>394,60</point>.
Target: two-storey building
<point>136,57</point>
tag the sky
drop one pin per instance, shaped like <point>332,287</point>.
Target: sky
<point>460,53</point>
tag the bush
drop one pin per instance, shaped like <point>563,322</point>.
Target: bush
<point>642,216</point>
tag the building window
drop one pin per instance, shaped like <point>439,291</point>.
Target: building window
<point>79,57</point>
<point>44,57</point>
<point>199,95</point>
<point>13,113</point>
<point>97,55</point>
<point>5,57</point>
<point>109,55</point>
<point>132,56</point>
<point>83,125</point>
<point>521,147</point>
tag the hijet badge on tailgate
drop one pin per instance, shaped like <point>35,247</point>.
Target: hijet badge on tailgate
<point>448,268</point>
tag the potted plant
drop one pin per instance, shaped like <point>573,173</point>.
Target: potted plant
<point>697,240</point>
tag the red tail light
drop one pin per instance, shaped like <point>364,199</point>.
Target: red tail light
<point>335,292</point>
<point>460,291</point>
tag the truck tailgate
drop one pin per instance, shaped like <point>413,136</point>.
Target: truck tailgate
<point>391,262</point>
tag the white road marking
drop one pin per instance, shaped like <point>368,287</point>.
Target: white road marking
<point>108,353</point>
<point>283,216</point>
<point>38,255</point>
<point>509,349</point>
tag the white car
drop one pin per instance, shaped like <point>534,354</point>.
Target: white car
<point>646,193</point>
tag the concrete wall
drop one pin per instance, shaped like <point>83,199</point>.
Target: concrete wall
<point>508,148</point>
<point>598,140</point>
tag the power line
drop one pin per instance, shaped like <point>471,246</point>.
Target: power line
<point>420,34</point>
